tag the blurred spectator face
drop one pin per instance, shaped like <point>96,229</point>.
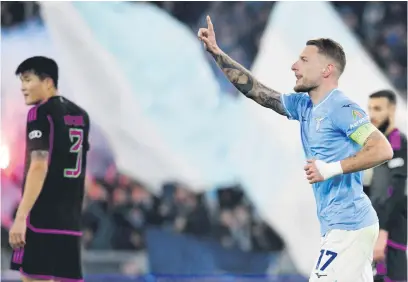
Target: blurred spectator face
<point>119,196</point>
<point>181,194</point>
<point>349,18</point>
<point>380,111</point>
<point>242,214</point>
<point>191,201</point>
<point>385,52</point>
<point>139,195</point>
<point>394,70</point>
<point>310,69</point>
<point>227,218</point>
<point>96,192</point>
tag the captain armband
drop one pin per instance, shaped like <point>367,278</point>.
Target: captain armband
<point>361,134</point>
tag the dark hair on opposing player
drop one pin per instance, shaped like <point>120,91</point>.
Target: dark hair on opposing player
<point>332,49</point>
<point>392,98</point>
<point>41,66</point>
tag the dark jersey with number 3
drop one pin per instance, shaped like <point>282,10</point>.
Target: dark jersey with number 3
<point>62,128</point>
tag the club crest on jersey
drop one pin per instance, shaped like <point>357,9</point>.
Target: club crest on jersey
<point>356,114</point>
<point>318,122</point>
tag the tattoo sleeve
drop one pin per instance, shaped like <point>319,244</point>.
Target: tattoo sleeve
<point>245,82</point>
<point>376,150</point>
<point>39,155</point>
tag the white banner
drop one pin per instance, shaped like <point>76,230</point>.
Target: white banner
<point>100,87</point>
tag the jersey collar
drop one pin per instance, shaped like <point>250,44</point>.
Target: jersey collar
<point>325,99</point>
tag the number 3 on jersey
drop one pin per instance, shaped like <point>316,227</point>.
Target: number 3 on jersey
<point>76,136</point>
<point>331,256</point>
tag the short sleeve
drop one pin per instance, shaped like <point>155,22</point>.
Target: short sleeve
<point>293,104</point>
<point>38,130</point>
<point>353,122</point>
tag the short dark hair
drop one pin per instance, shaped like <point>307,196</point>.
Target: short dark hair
<point>388,94</point>
<point>41,66</point>
<point>330,48</point>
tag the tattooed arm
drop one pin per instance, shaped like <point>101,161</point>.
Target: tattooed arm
<point>376,150</point>
<point>34,182</point>
<point>245,82</point>
<point>241,78</point>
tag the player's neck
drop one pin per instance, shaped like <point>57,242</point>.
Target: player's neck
<point>390,128</point>
<point>49,95</point>
<point>319,94</point>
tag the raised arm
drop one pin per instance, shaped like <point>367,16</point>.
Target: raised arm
<point>245,82</point>
<point>240,77</point>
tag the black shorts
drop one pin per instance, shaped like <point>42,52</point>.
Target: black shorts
<point>49,256</point>
<point>395,267</point>
<point>396,264</point>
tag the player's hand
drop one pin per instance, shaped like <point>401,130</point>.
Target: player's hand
<point>207,36</point>
<point>317,170</point>
<point>312,172</point>
<point>17,234</point>
<point>380,246</point>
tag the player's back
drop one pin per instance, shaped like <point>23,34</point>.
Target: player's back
<point>60,202</point>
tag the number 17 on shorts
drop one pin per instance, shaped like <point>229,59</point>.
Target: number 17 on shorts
<point>322,269</point>
<point>346,256</point>
<point>325,259</point>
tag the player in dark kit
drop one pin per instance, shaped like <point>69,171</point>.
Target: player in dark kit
<point>388,193</point>
<point>46,232</point>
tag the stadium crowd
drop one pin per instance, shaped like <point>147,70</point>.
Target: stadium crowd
<point>380,27</point>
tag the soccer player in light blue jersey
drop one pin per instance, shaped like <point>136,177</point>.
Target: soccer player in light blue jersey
<point>338,141</point>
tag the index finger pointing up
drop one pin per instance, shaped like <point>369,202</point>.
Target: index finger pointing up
<point>209,23</point>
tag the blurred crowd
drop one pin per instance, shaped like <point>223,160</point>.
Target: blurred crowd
<point>117,210</point>
<point>380,27</point>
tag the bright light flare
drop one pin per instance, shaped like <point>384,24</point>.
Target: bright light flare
<point>4,157</point>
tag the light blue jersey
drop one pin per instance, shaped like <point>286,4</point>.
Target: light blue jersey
<point>325,132</point>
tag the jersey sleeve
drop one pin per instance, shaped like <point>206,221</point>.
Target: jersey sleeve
<point>397,186</point>
<point>353,122</point>
<point>38,130</point>
<point>293,104</point>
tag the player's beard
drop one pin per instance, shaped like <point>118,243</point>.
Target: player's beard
<point>303,88</point>
<point>384,125</point>
<point>306,86</point>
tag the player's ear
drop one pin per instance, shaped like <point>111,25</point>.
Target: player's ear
<point>393,107</point>
<point>328,70</point>
<point>49,82</point>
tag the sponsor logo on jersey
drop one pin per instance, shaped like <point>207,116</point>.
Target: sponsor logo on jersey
<point>356,114</point>
<point>359,122</point>
<point>34,134</point>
